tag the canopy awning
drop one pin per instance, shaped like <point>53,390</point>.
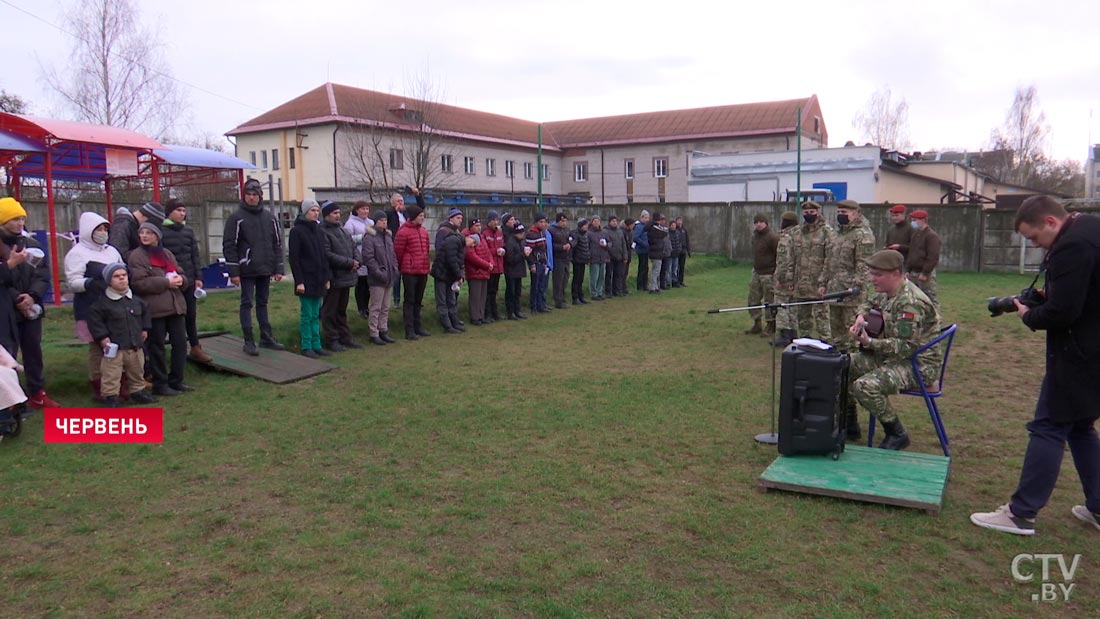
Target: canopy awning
<point>16,143</point>
<point>50,129</point>
<point>200,158</point>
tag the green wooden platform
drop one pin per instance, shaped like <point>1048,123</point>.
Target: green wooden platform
<point>900,478</point>
<point>274,366</point>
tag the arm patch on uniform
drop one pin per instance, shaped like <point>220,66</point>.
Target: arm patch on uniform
<point>905,324</point>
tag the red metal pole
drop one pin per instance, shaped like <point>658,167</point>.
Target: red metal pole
<point>53,231</point>
<point>240,184</point>
<point>156,180</point>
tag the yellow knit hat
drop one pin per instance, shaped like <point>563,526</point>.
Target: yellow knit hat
<point>10,208</point>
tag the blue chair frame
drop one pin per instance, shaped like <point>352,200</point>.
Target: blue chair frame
<point>930,397</point>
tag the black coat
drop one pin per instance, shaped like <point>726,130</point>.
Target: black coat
<point>342,253</point>
<point>180,240</point>
<point>676,238</point>
<point>561,236</point>
<point>659,245</point>
<point>582,253</point>
<point>252,243</point>
<point>1071,318</point>
<point>515,263</point>
<point>308,263</point>
<point>26,279</point>
<point>123,234</point>
<point>122,320</point>
<point>450,254</point>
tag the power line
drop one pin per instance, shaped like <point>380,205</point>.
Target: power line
<point>132,60</point>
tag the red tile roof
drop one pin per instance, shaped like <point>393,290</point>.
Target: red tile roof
<point>337,103</point>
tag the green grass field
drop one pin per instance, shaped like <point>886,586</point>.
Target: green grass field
<point>593,462</point>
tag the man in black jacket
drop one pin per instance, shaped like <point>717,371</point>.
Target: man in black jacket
<point>1066,411</point>
<point>253,249</point>
<point>562,236</point>
<point>448,270</point>
<point>124,228</point>
<point>28,286</point>
<point>343,260</point>
<point>179,239</point>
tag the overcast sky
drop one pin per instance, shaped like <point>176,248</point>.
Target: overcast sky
<point>956,62</point>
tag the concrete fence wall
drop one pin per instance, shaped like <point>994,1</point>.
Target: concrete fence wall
<point>973,239</point>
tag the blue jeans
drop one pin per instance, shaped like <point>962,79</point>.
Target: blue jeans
<point>597,273</point>
<point>539,279</point>
<point>1043,460</point>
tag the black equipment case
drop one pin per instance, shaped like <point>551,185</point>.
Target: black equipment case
<point>813,398</point>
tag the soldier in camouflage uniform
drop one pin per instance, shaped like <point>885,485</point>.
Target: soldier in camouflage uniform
<point>785,319</point>
<point>882,367</point>
<point>847,268</point>
<point>762,285</point>
<point>810,244</point>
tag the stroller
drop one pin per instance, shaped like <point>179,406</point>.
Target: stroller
<point>11,420</point>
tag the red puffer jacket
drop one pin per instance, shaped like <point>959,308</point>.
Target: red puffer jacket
<point>478,259</point>
<point>411,246</point>
<point>494,239</point>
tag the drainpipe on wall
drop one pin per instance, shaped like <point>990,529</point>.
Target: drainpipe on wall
<point>335,178</point>
<point>603,182</point>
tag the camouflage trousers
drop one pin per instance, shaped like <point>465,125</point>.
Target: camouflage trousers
<point>813,320</point>
<point>761,290</point>
<point>874,380</point>
<point>928,286</point>
<point>840,318</point>
<point>785,318</point>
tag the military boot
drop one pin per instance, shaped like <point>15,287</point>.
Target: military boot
<point>250,344</point>
<point>755,328</point>
<point>896,436</point>
<point>769,329</point>
<point>784,338</point>
<point>852,423</point>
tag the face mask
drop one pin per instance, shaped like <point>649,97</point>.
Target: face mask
<point>915,225</point>
<point>99,237</point>
<point>842,220</point>
<point>809,218</point>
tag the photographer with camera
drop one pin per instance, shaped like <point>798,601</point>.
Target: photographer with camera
<point>1066,410</point>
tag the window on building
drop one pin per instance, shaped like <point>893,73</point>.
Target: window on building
<point>628,168</point>
<point>528,170</point>
<point>397,159</point>
<point>446,163</point>
<point>817,125</point>
<point>660,167</point>
<point>263,159</point>
<point>468,165</point>
<point>252,157</point>
<point>580,171</point>
<point>490,167</point>
<point>509,169</point>
<point>546,171</point>
<point>274,158</point>
<point>290,158</point>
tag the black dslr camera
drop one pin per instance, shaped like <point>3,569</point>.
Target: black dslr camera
<point>1029,297</point>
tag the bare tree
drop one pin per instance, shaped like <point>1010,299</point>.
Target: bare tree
<point>405,146</point>
<point>13,104</point>
<point>883,122</point>
<point>1024,134</point>
<point>117,74</point>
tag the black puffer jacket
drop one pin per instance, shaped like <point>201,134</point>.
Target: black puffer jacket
<point>515,263</point>
<point>252,243</point>
<point>676,238</point>
<point>180,240</point>
<point>582,253</point>
<point>342,253</point>
<point>450,254</point>
<point>308,263</point>
<point>659,245</point>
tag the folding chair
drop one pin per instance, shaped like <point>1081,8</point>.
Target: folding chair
<point>946,333</point>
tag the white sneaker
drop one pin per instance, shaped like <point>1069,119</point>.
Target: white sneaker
<point>1005,521</point>
<point>1083,514</point>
